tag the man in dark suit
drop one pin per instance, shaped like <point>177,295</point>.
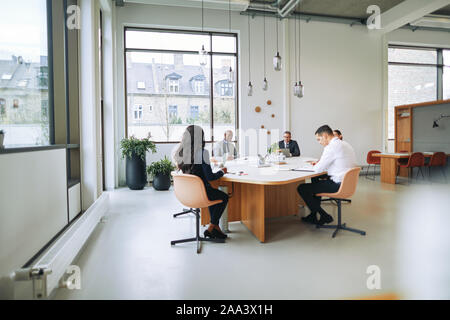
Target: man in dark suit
<point>287,143</point>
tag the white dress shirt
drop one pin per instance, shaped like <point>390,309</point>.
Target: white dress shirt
<point>337,158</point>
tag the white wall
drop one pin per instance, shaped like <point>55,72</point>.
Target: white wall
<point>342,74</point>
<point>33,204</point>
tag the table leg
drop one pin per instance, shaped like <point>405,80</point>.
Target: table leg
<point>388,170</point>
<point>253,209</point>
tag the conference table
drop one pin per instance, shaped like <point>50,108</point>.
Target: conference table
<point>258,193</point>
<point>389,165</point>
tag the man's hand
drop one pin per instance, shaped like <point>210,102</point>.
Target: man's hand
<point>312,162</point>
<point>225,170</point>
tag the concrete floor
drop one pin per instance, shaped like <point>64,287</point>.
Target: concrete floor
<point>129,255</point>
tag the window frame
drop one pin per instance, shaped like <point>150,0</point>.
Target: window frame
<point>139,108</point>
<point>211,54</point>
<point>51,110</point>
<point>439,65</point>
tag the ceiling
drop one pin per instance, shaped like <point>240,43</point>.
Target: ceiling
<point>343,8</point>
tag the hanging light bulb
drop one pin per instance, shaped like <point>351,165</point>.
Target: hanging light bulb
<point>296,89</point>
<point>230,75</point>
<point>301,89</point>
<point>250,89</point>
<point>277,62</point>
<point>277,58</point>
<point>265,84</point>
<point>202,54</point>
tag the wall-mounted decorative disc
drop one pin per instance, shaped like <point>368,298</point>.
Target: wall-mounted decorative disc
<point>258,109</point>
<point>269,102</point>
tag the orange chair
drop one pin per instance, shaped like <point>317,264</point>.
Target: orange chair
<point>346,190</point>
<point>416,160</point>
<point>438,159</point>
<point>371,160</point>
<point>190,191</point>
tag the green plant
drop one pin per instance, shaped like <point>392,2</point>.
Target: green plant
<point>164,167</point>
<point>273,148</point>
<point>138,146</point>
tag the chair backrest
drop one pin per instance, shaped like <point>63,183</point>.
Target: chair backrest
<point>348,184</point>
<point>371,159</point>
<point>438,159</point>
<point>190,190</point>
<point>417,159</point>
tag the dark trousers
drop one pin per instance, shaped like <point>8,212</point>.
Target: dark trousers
<point>308,192</point>
<point>216,210</point>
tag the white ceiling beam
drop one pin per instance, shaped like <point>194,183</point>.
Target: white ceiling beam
<point>408,11</point>
<point>236,5</point>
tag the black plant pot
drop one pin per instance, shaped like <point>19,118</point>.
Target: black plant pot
<point>136,175</point>
<point>161,182</point>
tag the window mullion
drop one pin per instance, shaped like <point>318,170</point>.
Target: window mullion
<point>440,75</point>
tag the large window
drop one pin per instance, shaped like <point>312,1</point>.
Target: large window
<point>180,90</point>
<point>446,74</point>
<point>416,75</point>
<point>24,73</point>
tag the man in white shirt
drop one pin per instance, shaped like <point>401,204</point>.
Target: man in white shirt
<point>337,158</point>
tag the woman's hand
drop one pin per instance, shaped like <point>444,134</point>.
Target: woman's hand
<point>312,162</point>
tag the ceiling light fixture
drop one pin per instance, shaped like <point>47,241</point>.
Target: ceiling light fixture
<point>230,71</point>
<point>277,58</point>
<point>300,85</point>
<point>250,86</point>
<point>203,54</point>
<point>265,83</point>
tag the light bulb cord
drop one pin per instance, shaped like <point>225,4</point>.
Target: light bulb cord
<point>249,54</point>
<point>264,22</point>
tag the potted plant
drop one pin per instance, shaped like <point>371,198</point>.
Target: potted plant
<point>273,148</point>
<point>2,138</point>
<point>134,150</point>
<point>160,170</point>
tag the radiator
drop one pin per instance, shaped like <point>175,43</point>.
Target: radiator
<point>47,271</point>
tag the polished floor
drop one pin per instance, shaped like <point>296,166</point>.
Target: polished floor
<point>129,255</point>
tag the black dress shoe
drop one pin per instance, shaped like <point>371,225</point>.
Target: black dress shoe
<point>208,234</point>
<point>324,218</point>
<point>217,234</point>
<point>222,233</point>
<point>310,219</point>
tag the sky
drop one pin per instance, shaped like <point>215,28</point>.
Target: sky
<point>23,29</point>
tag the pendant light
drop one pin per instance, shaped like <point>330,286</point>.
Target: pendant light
<point>277,58</point>
<point>230,71</point>
<point>300,85</point>
<point>296,87</point>
<point>203,54</point>
<point>265,83</point>
<point>250,86</point>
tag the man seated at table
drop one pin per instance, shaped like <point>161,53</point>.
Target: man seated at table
<point>288,143</point>
<point>338,134</point>
<point>226,146</point>
<point>337,158</point>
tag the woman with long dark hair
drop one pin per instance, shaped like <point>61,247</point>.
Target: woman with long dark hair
<point>191,157</point>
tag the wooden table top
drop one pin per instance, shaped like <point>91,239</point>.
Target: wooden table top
<point>273,175</point>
